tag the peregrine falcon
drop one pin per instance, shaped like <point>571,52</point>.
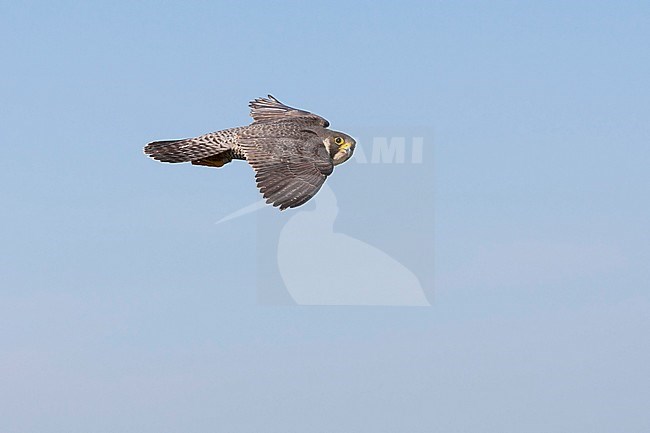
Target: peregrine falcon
<point>291,150</point>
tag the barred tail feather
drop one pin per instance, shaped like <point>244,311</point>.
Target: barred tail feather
<point>191,149</point>
<point>186,150</point>
<point>169,150</point>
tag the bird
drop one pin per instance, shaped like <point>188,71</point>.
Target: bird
<point>292,151</point>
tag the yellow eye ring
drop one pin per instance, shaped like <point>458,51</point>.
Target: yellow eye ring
<point>338,140</point>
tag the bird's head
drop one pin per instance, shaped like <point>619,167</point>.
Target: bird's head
<point>340,146</point>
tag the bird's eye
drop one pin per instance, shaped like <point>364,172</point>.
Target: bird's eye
<point>338,140</point>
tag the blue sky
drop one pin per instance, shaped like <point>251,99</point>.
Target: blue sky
<point>123,307</point>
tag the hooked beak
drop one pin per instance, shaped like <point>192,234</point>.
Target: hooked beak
<point>342,155</point>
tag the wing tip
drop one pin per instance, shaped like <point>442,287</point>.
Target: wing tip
<point>270,109</point>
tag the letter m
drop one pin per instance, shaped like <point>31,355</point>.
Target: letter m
<point>388,152</point>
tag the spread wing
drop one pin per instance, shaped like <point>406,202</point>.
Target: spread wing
<point>289,170</point>
<point>267,110</point>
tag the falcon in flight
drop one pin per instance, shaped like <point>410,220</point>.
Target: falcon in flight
<point>291,151</point>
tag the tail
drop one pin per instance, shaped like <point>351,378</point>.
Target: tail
<point>192,149</point>
<point>168,151</point>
